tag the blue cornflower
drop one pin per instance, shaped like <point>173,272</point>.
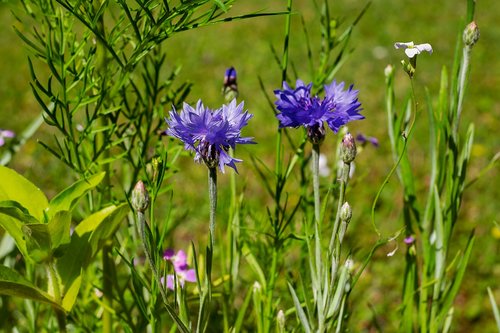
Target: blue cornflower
<point>210,133</point>
<point>298,108</point>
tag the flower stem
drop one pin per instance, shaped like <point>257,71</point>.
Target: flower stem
<point>346,167</point>
<point>142,226</point>
<point>212,192</point>
<point>315,171</point>
<point>462,83</point>
<point>54,287</point>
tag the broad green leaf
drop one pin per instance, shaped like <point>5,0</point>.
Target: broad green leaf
<point>38,243</point>
<point>103,225</point>
<point>13,227</point>
<point>7,244</point>
<point>13,284</point>
<point>71,293</point>
<point>59,228</point>
<point>12,217</point>
<point>86,240</point>
<point>17,188</point>
<point>16,210</point>
<point>67,199</point>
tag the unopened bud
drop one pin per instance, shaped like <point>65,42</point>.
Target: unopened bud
<point>230,88</point>
<point>388,71</point>
<point>348,148</point>
<point>140,197</point>
<point>471,34</point>
<point>346,212</point>
<point>281,321</point>
<point>410,67</point>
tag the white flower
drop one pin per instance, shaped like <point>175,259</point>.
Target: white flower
<point>324,170</point>
<point>412,50</point>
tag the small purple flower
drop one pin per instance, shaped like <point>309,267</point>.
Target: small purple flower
<point>298,108</point>
<point>181,269</point>
<point>210,133</point>
<point>5,134</point>
<point>363,140</point>
<point>409,240</point>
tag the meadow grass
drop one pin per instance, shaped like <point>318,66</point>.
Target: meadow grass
<point>204,55</point>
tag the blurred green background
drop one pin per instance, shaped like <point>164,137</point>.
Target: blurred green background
<point>247,45</point>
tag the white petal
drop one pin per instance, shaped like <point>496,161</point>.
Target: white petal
<point>411,52</point>
<point>400,45</point>
<point>424,47</point>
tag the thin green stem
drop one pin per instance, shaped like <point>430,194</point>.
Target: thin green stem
<point>462,83</point>
<point>315,172</point>
<point>212,192</point>
<point>54,285</point>
<point>107,319</point>
<point>268,312</point>
<point>142,226</point>
<point>346,167</point>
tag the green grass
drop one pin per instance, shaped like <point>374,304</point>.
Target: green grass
<point>205,53</point>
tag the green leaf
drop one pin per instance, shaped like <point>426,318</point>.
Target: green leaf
<point>17,188</point>
<point>71,294</point>
<point>242,311</point>
<point>38,243</point>
<point>300,312</point>
<point>67,199</point>
<point>250,258</point>
<point>103,225</point>
<point>87,238</point>
<point>13,284</point>
<point>13,227</point>
<point>15,210</point>
<point>59,228</point>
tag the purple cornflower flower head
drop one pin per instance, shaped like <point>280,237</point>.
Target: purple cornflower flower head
<point>5,134</point>
<point>182,271</point>
<point>363,140</point>
<point>230,88</point>
<point>298,108</point>
<point>412,50</point>
<point>210,133</point>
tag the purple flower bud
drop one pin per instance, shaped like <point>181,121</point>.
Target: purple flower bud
<point>348,148</point>
<point>471,34</point>
<point>140,197</point>
<point>230,88</point>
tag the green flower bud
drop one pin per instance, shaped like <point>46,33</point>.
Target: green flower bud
<point>346,212</point>
<point>471,34</point>
<point>348,148</point>
<point>140,197</point>
<point>281,321</point>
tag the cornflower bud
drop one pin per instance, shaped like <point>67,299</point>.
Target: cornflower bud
<point>140,197</point>
<point>281,321</point>
<point>348,148</point>
<point>346,212</point>
<point>471,34</point>
<point>345,218</point>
